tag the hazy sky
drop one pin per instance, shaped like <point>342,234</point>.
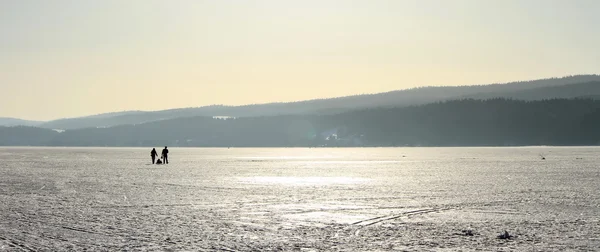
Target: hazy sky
<point>70,58</point>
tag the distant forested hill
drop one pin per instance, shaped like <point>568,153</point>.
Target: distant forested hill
<point>26,136</point>
<point>530,90</point>
<point>578,90</point>
<point>468,122</point>
<point>7,121</point>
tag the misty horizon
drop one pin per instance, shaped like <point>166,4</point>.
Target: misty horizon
<point>108,113</point>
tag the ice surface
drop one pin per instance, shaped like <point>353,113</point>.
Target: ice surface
<point>379,199</point>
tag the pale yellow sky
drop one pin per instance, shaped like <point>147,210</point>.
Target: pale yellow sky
<point>68,58</point>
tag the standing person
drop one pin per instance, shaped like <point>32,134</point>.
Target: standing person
<point>153,154</point>
<point>165,153</point>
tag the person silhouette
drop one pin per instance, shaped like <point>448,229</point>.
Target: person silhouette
<point>165,154</point>
<point>153,154</point>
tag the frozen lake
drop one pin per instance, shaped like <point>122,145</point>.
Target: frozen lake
<point>362,199</point>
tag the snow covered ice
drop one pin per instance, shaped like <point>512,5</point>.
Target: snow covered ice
<point>297,199</point>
